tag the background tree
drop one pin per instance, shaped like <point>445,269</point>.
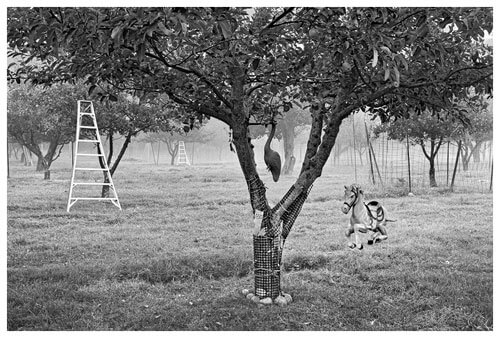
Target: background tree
<point>224,63</point>
<point>477,131</point>
<point>424,129</point>
<point>352,135</point>
<point>43,115</point>
<point>289,126</point>
<point>128,116</point>
<point>171,138</point>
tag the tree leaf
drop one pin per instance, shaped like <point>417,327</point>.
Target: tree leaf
<point>396,73</point>
<point>387,74</point>
<point>116,33</point>
<point>225,27</point>
<point>164,29</point>
<point>375,58</point>
<point>255,63</point>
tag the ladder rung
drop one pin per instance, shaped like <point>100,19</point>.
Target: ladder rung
<point>88,127</point>
<point>90,141</point>
<point>89,154</point>
<point>94,198</point>
<point>91,183</point>
<point>100,169</point>
<point>81,113</point>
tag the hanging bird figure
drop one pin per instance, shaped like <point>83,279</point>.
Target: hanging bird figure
<point>271,157</point>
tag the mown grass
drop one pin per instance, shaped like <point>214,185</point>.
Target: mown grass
<point>180,252</point>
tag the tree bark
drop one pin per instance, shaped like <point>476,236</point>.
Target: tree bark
<point>277,221</point>
<point>435,145</point>
<point>432,173</point>
<point>173,148</point>
<point>112,168</point>
<point>476,152</point>
<point>288,145</point>
<point>465,155</point>
<point>40,166</point>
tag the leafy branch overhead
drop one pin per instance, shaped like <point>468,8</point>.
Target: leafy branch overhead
<point>389,58</point>
<point>244,66</point>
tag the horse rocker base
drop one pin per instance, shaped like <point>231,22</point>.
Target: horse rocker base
<point>354,245</point>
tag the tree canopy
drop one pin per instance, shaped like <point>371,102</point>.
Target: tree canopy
<point>223,63</point>
<point>43,115</point>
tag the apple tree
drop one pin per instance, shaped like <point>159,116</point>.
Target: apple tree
<point>242,66</point>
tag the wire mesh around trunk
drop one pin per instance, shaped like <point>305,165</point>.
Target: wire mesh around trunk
<point>268,248</point>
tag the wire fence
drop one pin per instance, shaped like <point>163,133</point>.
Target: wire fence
<point>398,164</point>
<point>393,164</point>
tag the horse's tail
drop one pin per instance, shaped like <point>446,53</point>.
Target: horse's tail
<point>380,212</point>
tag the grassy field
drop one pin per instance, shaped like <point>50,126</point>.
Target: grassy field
<point>180,252</point>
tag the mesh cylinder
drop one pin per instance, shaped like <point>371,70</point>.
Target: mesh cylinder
<point>267,259</point>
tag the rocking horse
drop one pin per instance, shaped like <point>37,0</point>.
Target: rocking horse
<point>365,217</point>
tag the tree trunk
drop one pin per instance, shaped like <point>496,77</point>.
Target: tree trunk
<point>288,145</point>
<point>271,232</point>
<point>105,187</point>
<point>432,173</point>
<point>39,164</point>
<point>435,145</point>
<point>476,152</point>
<point>174,152</point>
<point>465,156</point>
<point>112,169</point>
<point>360,154</point>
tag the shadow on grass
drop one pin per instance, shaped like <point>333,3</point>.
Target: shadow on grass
<point>306,262</point>
<point>187,268</point>
<point>213,267</point>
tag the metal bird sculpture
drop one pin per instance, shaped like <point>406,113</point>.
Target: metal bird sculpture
<point>271,157</point>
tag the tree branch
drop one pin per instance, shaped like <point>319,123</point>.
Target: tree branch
<point>440,142</point>
<point>314,137</point>
<point>406,18</point>
<point>58,153</point>
<point>216,91</point>
<point>425,151</point>
<point>272,24</point>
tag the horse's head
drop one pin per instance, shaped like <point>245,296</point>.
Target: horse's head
<point>351,196</point>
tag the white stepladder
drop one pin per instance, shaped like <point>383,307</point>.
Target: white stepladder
<point>182,158</point>
<point>86,108</point>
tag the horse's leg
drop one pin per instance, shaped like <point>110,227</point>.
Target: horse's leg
<point>357,243</point>
<point>348,233</point>
<point>373,236</point>
<point>381,234</point>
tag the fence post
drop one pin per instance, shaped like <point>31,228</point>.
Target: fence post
<point>72,154</point>
<point>354,147</point>
<point>369,153</point>
<point>491,177</point>
<point>408,158</point>
<point>8,163</point>
<point>448,164</point>
<point>456,165</point>
<point>158,154</point>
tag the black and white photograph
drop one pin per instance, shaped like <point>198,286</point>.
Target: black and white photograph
<point>261,167</point>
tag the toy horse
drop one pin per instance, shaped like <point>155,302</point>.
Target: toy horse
<point>364,217</point>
